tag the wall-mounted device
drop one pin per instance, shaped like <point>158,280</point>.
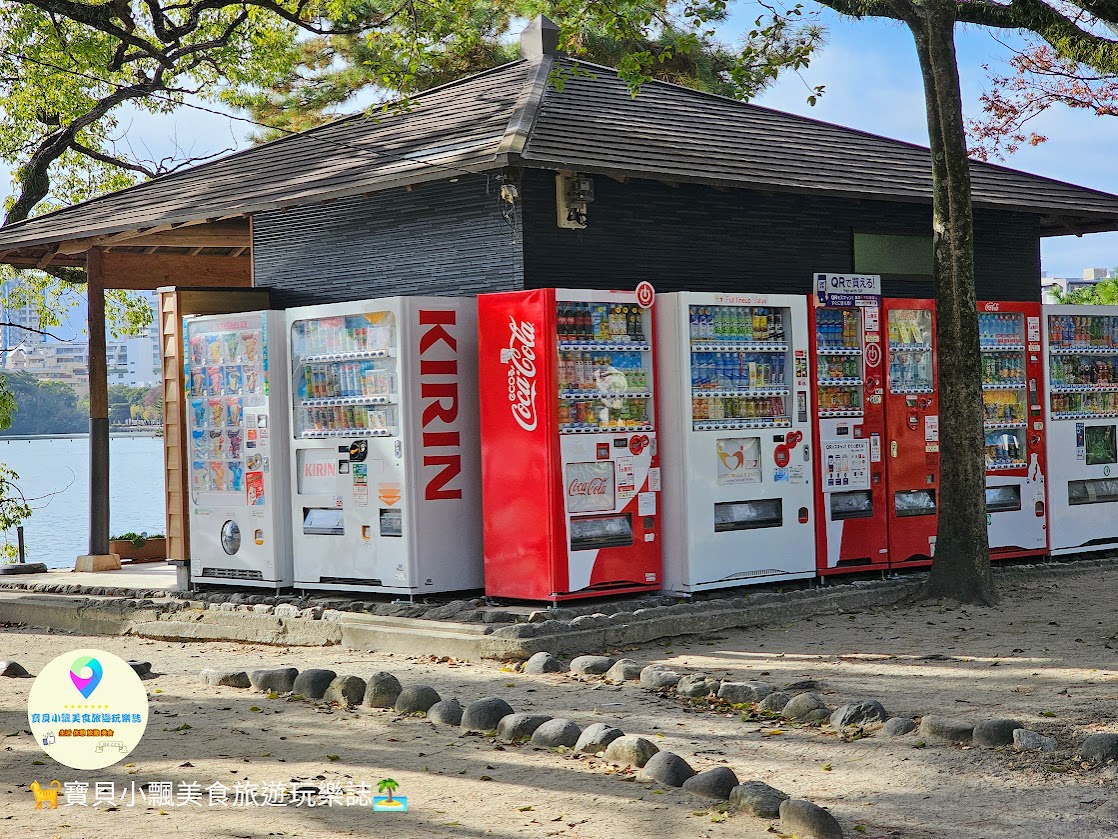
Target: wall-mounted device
<point>572,194</point>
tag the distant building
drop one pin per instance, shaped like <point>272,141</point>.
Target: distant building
<point>1049,286</point>
<point>17,315</point>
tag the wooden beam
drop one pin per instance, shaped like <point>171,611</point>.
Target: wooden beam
<point>98,406</point>
<point>140,271</point>
<point>621,179</point>
<point>48,257</point>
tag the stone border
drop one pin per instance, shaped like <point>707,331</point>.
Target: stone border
<point>465,629</point>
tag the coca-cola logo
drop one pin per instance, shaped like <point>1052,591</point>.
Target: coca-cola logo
<point>595,486</point>
<point>520,356</point>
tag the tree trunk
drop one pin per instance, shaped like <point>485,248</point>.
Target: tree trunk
<point>961,565</point>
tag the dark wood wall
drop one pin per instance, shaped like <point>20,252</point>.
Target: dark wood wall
<point>439,238</point>
<point>694,238</point>
<point>453,239</point>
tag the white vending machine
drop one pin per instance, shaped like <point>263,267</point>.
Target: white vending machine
<point>236,393</point>
<point>1081,407</point>
<point>385,449</point>
<point>736,442</point>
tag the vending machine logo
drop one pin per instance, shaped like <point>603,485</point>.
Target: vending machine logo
<point>520,356</point>
<point>591,487</point>
<point>438,377</point>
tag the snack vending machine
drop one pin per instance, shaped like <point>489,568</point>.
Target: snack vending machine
<point>1081,397</point>
<point>737,443</point>
<point>570,468</point>
<point>240,532</point>
<point>384,460</point>
<point>1012,372</point>
<point>911,431</point>
<point>852,501</point>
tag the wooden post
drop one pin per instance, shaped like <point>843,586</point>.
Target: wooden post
<point>99,558</point>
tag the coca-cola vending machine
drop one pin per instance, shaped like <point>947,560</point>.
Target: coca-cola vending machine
<point>570,471</point>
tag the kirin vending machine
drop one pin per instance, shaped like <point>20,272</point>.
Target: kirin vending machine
<point>384,458</point>
<point>240,530</point>
<point>570,469</point>
<point>911,453</point>
<point>736,440</point>
<point>848,365</point>
<point>1012,375</point>
<point>1081,344</point>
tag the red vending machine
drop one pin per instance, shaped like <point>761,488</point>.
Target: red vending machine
<point>911,431</point>
<point>1016,463</point>
<point>848,366</point>
<point>570,471</point>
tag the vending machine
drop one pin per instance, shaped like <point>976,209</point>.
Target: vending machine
<point>570,468</point>
<point>240,531</point>
<point>736,442</point>
<point>911,431</point>
<point>848,368</point>
<point>384,456</point>
<point>1081,398</point>
<point>1012,375</point>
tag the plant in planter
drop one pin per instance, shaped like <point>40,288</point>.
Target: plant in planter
<point>139,547</point>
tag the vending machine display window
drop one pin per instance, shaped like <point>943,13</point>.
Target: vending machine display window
<point>1101,446</point>
<point>604,381</point>
<point>739,367</point>
<point>1083,366</point>
<point>910,348</point>
<point>838,354</point>
<point>1004,388</point>
<point>345,376</point>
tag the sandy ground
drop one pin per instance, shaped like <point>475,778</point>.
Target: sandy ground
<point>1043,656</point>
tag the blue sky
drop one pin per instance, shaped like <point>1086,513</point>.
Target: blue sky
<point>872,83</point>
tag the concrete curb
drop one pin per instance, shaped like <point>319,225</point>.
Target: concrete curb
<point>588,632</point>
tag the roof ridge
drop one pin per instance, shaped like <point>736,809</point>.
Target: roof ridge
<point>527,107</point>
<point>189,170</point>
<point>815,121</point>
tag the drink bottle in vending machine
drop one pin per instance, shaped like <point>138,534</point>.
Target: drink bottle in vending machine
<point>1012,376</point>
<point>384,457</point>
<point>570,468</point>
<point>736,443</point>
<point>1081,409</point>
<point>911,453</point>
<point>848,375</point>
<point>240,532</point>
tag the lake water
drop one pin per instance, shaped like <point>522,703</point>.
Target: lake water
<point>58,531</point>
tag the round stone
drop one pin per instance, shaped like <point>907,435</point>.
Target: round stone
<point>142,668</point>
<point>12,668</point>
<point>774,703</point>
<point>817,716</point>
<point>716,783</point>
<point>655,677</point>
<point>382,690</point>
<point>805,819</point>
<point>516,727</point>
<point>995,733</point>
<point>555,733</point>
<point>667,768</point>
<point>543,663</point>
<point>946,728</point>
<point>416,699</point>
<point>859,713</point>
<point>800,705</point>
<point>757,799</point>
<point>314,682</point>
<point>484,714</point>
<point>277,679</point>
<point>446,712</point>
<point>1099,749</point>
<point>226,678</point>
<point>345,690</point>
<point>623,670</point>
<point>630,750</point>
<point>591,665</point>
<point>596,737</point>
<point>1029,741</point>
<point>695,686</point>
<point>743,693</point>
<point>897,727</point>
